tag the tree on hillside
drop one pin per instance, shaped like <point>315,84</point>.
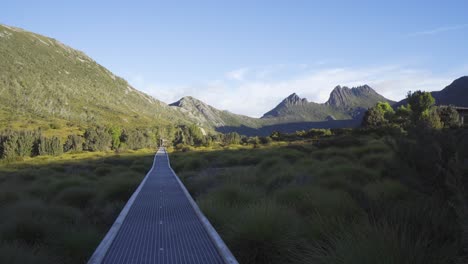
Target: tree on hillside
<point>73,143</point>
<point>231,139</point>
<point>50,146</point>
<point>115,133</point>
<point>8,145</point>
<point>197,135</point>
<point>379,115</point>
<point>97,139</point>
<point>449,116</point>
<point>420,104</point>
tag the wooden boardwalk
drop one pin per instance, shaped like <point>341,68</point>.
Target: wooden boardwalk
<point>161,224</point>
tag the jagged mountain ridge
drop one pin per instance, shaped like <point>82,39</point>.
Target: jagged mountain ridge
<point>343,103</point>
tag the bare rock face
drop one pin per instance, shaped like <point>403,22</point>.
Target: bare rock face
<point>206,115</point>
<point>199,110</point>
<point>343,103</point>
<point>294,99</point>
<point>362,96</point>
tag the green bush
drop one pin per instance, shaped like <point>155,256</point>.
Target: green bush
<point>309,200</point>
<point>50,146</point>
<point>235,195</point>
<point>73,143</point>
<point>97,139</point>
<point>266,233</point>
<point>120,188</point>
<point>78,197</point>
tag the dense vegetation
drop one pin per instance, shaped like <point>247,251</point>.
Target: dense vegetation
<point>359,197</point>
<point>392,192</point>
<point>16,145</point>
<point>57,209</point>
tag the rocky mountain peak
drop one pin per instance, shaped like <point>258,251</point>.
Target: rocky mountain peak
<point>294,99</point>
<point>188,102</point>
<point>342,96</point>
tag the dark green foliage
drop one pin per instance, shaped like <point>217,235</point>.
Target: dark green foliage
<point>268,234</point>
<point>137,139</point>
<point>356,197</point>
<point>231,138</point>
<point>379,115</point>
<point>115,133</point>
<point>26,140</point>
<point>73,143</point>
<point>253,141</point>
<point>97,139</point>
<point>189,135</point>
<point>314,134</point>
<point>420,104</point>
<point>448,116</point>
<point>78,197</point>
<point>265,140</point>
<point>9,145</point>
<point>60,216</point>
<point>420,112</point>
<point>50,146</point>
<point>18,144</point>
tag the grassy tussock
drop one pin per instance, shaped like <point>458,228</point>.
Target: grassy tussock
<point>336,202</point>
<point>57,209</point>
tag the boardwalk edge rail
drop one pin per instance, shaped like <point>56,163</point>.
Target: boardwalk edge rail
<point>223,250</point>
<point>103,247</point>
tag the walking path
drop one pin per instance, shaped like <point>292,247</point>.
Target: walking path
<point>162,224</point>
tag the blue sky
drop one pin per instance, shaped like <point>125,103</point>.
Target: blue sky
<point>245,56</point>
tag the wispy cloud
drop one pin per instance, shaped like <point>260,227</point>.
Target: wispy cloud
<point>238,74</point>
<point>438,30</point>
<point>253,95</point>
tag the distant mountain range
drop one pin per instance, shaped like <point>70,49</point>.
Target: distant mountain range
<point>44,81</point>
<point>344,103</point>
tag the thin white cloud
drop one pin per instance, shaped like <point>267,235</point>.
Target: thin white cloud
<point>438,30</point>
<point>253,96</point>
<point>238,74</point>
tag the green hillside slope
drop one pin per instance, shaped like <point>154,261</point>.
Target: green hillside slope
<point>43,80</point>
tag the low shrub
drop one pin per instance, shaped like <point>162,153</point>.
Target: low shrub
<point>266,233</point>
<point>78,197</point>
